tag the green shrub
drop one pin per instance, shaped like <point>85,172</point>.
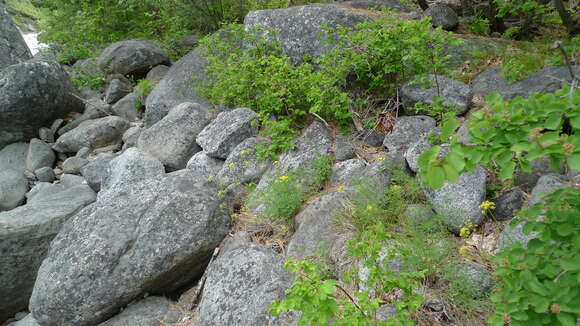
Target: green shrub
<point>324,301</point>
<point>479,25</point>
<point>541,283</point>
<point>285,192</point>
<point>375,56</point>
<point>92,80</point>
<point>509,134</point>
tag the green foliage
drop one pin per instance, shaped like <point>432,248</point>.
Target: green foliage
<point>92,80</point>
<point>438,109</point>
<point>530,13</point>
<point>375,55</point>
<point>323,301</point>
<point>82,27</point>
<point>285,193</point>
<point>479,25</point>
<point>144,88</point>
<point>509,134</point>
<point>541,283</point>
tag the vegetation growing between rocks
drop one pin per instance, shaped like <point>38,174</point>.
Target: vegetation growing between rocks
<point>365,66</point>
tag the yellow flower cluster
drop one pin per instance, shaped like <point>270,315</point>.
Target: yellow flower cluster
<point>487,206</point>
<point>381,159</point>
<point>341,188</point>
<point>464,251</point>
<point>465,231</point>
<point>232,165</point>
<point>283,178</point>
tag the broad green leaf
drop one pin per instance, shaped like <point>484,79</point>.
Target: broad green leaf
<point>435,177</point>
<point>553,122</point>
<point>456,161</point>
<point>507,170</point>
<point>448,127</point>
<point>450,173</point>
<point>574,162</point>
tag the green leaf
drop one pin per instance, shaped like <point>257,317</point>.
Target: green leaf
<point>575,122</point>
<point>456,161</point>
<point>553,122</point>
<point>574,162</point>
<point>450,173</point>
<point>566,319</point>
<point>435,177</point>
<point>572,264</point>
<point>448,127</point>
<point>507,170</point>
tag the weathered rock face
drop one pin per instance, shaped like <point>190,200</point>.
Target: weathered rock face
<point>32,95</point>
<point>97,170</point>
<point>172,140</point>
<point>442,16</point>
<point>117,89</point>
<point>300,29</point>
<point>94,109</point>
<point>13,48</point>
<point>92,134</point>
<point>458,203</point>
<point>507,204</point>
<point>128,107</point>
<point>240,286</point>
<point>132,166</point>
<point>134,57</point>
<point>151,311</point>
<point>547,80</point>
<point>13,188</point>
<point>229,129</point>
<point>242,164</point>
<point>176,87</point>
<point>407,131</point>
<point>314,225</point>
<point>154,236</point>
<point>202,164</point>
<point>455,94</point>
<point>25,235</point>
<point>347,170</point>
<point>39,155</point>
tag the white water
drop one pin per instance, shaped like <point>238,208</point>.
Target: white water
<point>31,40</point>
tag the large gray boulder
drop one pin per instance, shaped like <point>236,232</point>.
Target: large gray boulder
<point>547,80</point>
<point>117,89</point>
<point>132,166</point>
<point>172,140</point>
<point>243,165</point>
<point>202,164</point>
<point>13,157</point>
<point>39,155</point>
<point>178,86</point>
<point>97,170</point>
<point>456,95</point>
<point>25,235</point>
<point>128,107</point>
<point>132,57</point>
<point>442,16</point>
<point>346,171</point>
<point>32,95</point>
<point>13,48</point>
<point>300,29</point>
<point>151,311</point>
<point>414,151</point>
<point>407,131</point>
<point>95,108</point>
<point>229,129</point>
<point>93,134</point>
<point>240,286</point>
<point>13,188</point>
<point>26,321</point>
<point>458,203</point>
<point>315,225</point>
<point>154,236</point>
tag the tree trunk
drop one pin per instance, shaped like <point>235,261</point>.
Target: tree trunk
<point>495,23</point>
<point>572,27</point>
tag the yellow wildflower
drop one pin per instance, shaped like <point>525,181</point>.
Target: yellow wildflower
<point>487,206</point>
<point>381,159</point>
<point>210,177</point>
<point>276,163</point>
<point>465,231</point>
<point>232,165</point>
<point>464,251</point>
<point>341,188</point>
<point>370,207</point>
<point>283,178</point>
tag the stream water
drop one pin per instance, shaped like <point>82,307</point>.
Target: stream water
<point>31,40</point>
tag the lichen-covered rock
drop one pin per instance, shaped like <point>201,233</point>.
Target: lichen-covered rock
<point>547,80</point>
<point>343,148</point>
<point>117,89</point>
<point>13,188</point>
<point>128,107</point>
<point>456,95</point>
<point>229,129</point>
<point>507,203</point>
<point>204,165</point>
<point>243,165</point>
<point>13,48</point>
<point>92,134</point>
<point>173,139</point>
<point>151,311</point>
<point>477,279</point>
<point>25,235</point>
<point>73,165</point>
<point>39,155</point>
<point>154,236</point>
<point>32,95</point>
<point>346,171</point>
<point>442,16</point>
<point>132,166</point>
<point>94,109</point>
<point>177,86</point>
<point>458,203</point>
<point>407,131</point>
<point>300,29</point>
<point>131,57</point>
<point>414,151</point>
<point>240,286</point>
<point>97,170</point>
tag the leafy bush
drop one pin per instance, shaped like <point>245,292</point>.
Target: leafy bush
<point>285,193</point>
<point>509,134</point>
<point>479,25</point>
<point>541,283</point>
<point>322,301</point>
<point>375,56</point>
